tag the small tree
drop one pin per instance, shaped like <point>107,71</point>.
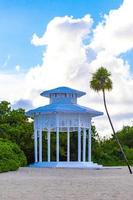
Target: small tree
<point>11,156</point>
<point>14,126</point>
<point>101,82</point>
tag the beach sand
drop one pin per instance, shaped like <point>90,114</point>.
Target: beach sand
<point>66,184</point>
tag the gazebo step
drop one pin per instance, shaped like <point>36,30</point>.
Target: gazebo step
<point>72,164</point>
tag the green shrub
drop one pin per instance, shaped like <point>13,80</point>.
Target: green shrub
<point>11,156</point>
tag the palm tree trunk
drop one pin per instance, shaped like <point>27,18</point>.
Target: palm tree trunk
<point>116,137</point>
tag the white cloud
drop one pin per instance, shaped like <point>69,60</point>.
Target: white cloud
<point>62,28</point>
<point>11,86</point>
<point>17,68</point>
<point>65,55</point>
<point>115,33</point>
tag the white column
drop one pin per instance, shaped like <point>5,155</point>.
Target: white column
<point>48,144</point>
<point>35,145</point>
<point>84,145</point>
<point>68,144</point>
<point>79,144</point>
<point>89,143</point>
<point>40,145</point>
<point>57,144</point>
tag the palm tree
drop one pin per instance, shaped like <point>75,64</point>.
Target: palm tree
<point>100,82</point>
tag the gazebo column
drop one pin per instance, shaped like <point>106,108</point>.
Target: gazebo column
<point>40,145</point>
<point>79,144</point>
<point>57,144</point>
<point>35,145</point>
<point>89,143</point>
<point>84,145</point>
<point>68,144</point>
<point>48,144</point>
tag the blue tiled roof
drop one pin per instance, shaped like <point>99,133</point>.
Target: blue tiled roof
<point>64,108</point>
<point>62,90</point>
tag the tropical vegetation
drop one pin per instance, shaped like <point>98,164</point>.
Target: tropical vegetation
<point>16,142</point>
<point>11,156</point>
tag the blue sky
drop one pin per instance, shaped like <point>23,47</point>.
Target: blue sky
<point>20,19</point>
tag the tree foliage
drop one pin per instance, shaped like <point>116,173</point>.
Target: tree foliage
<point>101,80</point>
<point>14,126</point>
<point>108,152</point>
<point>11,156</point>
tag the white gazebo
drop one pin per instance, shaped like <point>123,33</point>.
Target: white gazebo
<point>63,114</point>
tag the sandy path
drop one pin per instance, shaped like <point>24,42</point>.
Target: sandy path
<point>66,184</point>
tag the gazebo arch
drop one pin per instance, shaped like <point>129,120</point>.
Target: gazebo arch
<point>63,114</point>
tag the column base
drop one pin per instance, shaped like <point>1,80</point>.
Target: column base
<point>72,164</point>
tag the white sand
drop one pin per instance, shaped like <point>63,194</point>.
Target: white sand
<point>66,184</point>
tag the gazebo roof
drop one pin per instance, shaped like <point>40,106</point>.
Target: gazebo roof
<point>64,108</point>
<point>62,90</point>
